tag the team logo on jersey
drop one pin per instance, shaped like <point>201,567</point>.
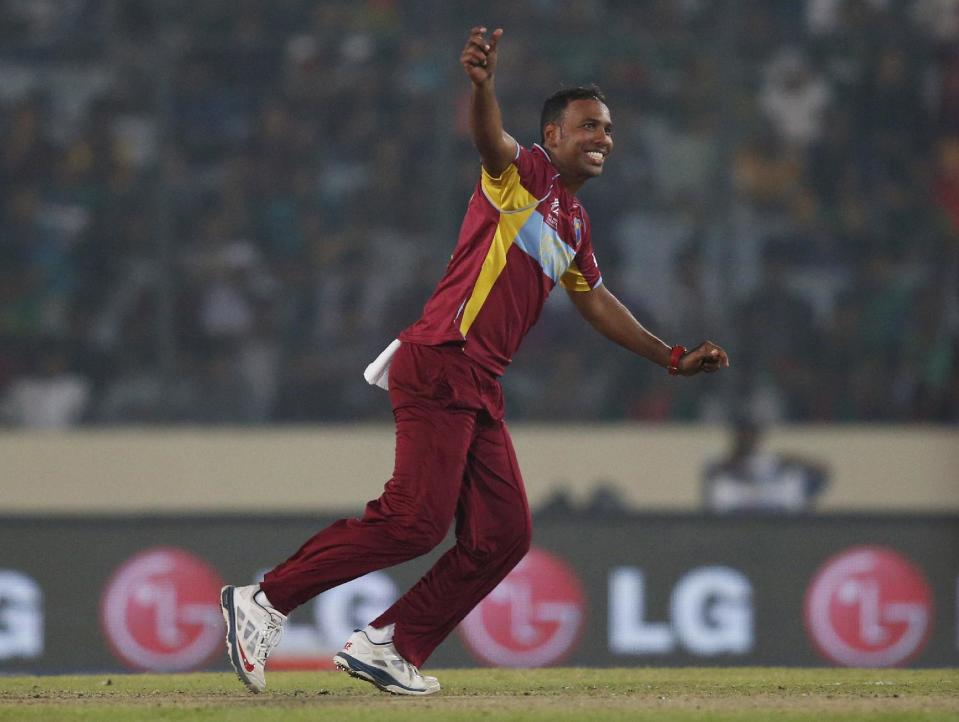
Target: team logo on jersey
<point>869,606</point>
<point>578,230</point>
<point>160,611</point>
<point>533,618</point>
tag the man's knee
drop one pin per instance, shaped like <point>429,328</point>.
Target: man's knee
<point>412,526</point>
<point>416,534</point>
<point>507,545</point>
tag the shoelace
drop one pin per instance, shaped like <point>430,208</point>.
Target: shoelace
<point>268,640</point>
<point>416,672</point>
<point>398,658</point>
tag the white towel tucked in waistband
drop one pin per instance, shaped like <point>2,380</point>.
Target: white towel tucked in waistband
<point>378,372</point>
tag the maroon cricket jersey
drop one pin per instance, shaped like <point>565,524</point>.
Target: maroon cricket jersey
<point>522,234</point>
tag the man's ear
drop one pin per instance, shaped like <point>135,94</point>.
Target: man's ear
<point>551,134</point>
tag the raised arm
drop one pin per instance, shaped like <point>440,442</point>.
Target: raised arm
<point>612,319</point>
<point>496,147</point>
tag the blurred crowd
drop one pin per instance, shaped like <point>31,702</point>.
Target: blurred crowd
<point>218,211</point>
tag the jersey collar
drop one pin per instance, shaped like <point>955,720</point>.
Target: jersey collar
<point>541,149</point>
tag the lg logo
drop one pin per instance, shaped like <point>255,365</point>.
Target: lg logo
<point>869,607</point>
<point>710,613</point>
<point>160,611</point>
<point>532,618</point>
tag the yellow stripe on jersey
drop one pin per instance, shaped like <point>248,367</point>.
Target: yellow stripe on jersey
<point>506,192</point>
<point>515,205</point>
<point>573,279</point>
<point>494,263</point>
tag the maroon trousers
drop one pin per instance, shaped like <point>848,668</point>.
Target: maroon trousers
<point>454,459</point>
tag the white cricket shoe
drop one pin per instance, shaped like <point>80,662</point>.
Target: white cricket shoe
<point>382,665</point>
<point>252,632</point>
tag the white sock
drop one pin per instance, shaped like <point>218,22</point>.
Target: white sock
<point>261,598</point>
<point>380,636</point>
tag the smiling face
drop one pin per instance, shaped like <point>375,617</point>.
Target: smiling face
<point>579,142</point>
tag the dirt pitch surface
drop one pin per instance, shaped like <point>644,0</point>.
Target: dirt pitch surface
<point>551,695</point>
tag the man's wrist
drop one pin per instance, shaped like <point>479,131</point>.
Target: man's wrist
<point>486,84</point>
<point>675,354</point>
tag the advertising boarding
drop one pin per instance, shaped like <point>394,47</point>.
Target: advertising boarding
<point>142,594</point>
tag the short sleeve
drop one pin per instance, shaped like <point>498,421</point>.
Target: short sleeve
<point>523,184</point>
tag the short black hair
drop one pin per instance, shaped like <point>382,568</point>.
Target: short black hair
<point>555,105</point>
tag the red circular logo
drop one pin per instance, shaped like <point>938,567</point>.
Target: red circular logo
<point>869,606</point>
<point>532,619</point>
<point>160,611</point>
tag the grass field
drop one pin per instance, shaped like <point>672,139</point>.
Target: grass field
<point>545,695</point>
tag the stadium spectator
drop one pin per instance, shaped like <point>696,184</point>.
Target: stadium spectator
<point>749,480</point>
<point>51,396</point>
<point>795,98</point>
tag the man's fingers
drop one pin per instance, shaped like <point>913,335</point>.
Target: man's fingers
<point>709,358</point>
<point>473,56</point>
<point>712,351</point>
<point>476,50</point>
<point>711,364</point>
<point>479,43</point>
<point>477,37</point>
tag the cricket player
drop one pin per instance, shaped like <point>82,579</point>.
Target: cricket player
<point>524,232</point>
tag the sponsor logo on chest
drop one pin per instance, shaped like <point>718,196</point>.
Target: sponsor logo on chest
<point>560,221</point>
<point>552,216</point>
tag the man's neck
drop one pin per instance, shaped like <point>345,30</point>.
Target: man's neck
<point>570,184</point>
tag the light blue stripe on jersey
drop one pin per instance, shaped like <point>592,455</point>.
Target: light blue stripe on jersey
<point>542,243</point>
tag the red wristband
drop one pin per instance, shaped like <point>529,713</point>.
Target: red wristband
<point>675,353</point>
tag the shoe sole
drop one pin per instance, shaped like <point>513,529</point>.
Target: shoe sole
<point>229,616</point>
<point>378,678</point>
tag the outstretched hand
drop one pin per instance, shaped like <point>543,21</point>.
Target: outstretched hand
<point>479,55</point>
<point>707,357</point>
